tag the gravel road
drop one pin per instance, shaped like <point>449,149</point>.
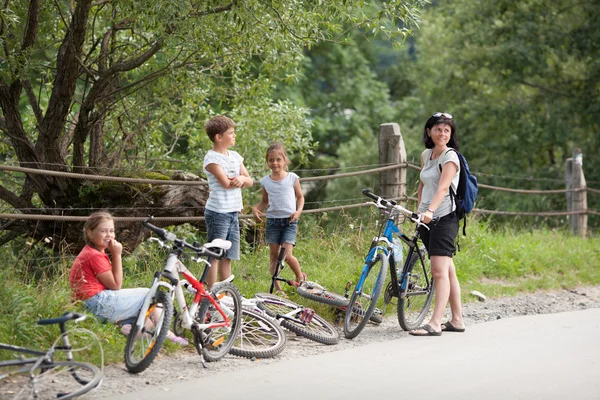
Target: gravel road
<point>170,368</point>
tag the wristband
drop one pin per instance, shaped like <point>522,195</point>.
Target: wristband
<point>431,211</point>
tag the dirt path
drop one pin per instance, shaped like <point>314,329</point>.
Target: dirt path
<point>186,364</point>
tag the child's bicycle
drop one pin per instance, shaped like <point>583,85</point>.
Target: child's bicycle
<point>53,373</point>
<point>295,317</point>
<point>412,285</point>
<point>214,325</point>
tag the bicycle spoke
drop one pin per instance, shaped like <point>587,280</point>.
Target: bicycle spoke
<point>414,304</point>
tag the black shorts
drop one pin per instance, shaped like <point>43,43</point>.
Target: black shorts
<point>439,239</point>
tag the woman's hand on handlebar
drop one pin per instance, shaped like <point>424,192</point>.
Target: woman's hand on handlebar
<point>426,217</point>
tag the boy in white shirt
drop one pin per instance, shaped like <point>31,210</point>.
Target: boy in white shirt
<point>226,175</point>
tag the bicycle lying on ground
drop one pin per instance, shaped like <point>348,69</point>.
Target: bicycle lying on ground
<point>46,376</point>
<point>314,291</point>
<point>261,335</point>
<point>214,324</point>
<point>412,285</point>
<point>301,320</point>
<point>295,317</point>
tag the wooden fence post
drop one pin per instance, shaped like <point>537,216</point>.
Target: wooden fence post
<point>576,201</point>
<point>392,151</point>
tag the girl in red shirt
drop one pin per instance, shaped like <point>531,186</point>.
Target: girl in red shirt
<point>97,282</point>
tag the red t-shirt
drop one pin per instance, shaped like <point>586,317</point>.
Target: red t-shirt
<point>84,273</point>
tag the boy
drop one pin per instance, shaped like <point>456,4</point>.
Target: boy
<point>227,175</point>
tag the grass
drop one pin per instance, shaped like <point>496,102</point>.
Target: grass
<point>496,263</point>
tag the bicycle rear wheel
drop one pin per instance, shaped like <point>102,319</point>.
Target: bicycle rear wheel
<point>260,336</point>
<point>294,317</point>
<point>414,303</point>
<point>144,343</point>
<point>49,381</point>
<point>215,343</point>
<point>314,291</point>
<point>364,299</point>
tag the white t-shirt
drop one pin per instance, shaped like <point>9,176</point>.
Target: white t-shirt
<point>430,177</point>
<point>221,199</point>
<point>282,197</point>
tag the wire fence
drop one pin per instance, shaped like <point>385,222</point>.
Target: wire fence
<point>200,182</point>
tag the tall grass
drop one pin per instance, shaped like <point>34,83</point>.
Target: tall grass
<point>330,250</point>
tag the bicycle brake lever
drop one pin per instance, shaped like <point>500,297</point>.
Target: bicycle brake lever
<point>160,242</point>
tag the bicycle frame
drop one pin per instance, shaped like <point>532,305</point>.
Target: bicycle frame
<point>187,313</point>
<point>386,235</point>
<point>278,268</point>
<point>46,357</point>
<point>172,269</point>
<point>412,243</point>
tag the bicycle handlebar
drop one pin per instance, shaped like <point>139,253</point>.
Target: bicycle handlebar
<point>383,203</point>
<point>68,316</point>
<point>181,243</point>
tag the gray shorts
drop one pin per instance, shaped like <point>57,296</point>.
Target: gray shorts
<point>281,230</point>
<point>117,305</point>
<point>224,226</point>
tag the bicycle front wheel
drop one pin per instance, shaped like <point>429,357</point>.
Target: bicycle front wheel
<point>144,343</point>
<point>415,301</point>
<point>260,336</point>
<point>50,381</point>
<point>363,301</point>
<point>298,319</point>
<point>215,343</point>
<point>316,292</point>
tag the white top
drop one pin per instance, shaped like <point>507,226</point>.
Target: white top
<point>430,177</point>
<point>282,197</point>
<point>221,199</point>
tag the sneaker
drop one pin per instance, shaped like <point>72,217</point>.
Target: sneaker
<point>178,340</point>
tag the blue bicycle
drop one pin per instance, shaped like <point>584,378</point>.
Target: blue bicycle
<point>412,285</point>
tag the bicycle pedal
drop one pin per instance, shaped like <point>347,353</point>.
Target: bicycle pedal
<point>307,315</point>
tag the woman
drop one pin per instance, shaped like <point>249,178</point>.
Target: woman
<point>97,282</point>
<point>439,170</point>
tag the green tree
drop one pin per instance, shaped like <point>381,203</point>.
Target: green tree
<point>103,86</point>
<point>523,81</point>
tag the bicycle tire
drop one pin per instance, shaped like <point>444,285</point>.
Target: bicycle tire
<point>215,343</point>
<point>364,301</point>
<point>143,344</point>
<point>260,336</point>
<point>318,329</point>
<point>50,380</point>
<point>414,305</point>
<point>314,291</point>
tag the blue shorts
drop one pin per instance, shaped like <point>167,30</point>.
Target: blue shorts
<point>224,226</point>
<point>117,305</point>
<point>281,230</point>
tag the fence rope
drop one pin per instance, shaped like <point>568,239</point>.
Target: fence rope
<point>101,177</point>
<point>38,217</point>
<point>306,179</point>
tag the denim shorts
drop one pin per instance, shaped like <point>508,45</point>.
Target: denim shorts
<point>281,230</point>
<point>117,305</point>
<point>439,240</point>
<point>224,226</point>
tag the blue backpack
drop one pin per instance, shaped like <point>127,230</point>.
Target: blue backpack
<point>466,192</point>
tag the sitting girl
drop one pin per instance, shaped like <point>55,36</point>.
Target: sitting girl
<point>97,282</point>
